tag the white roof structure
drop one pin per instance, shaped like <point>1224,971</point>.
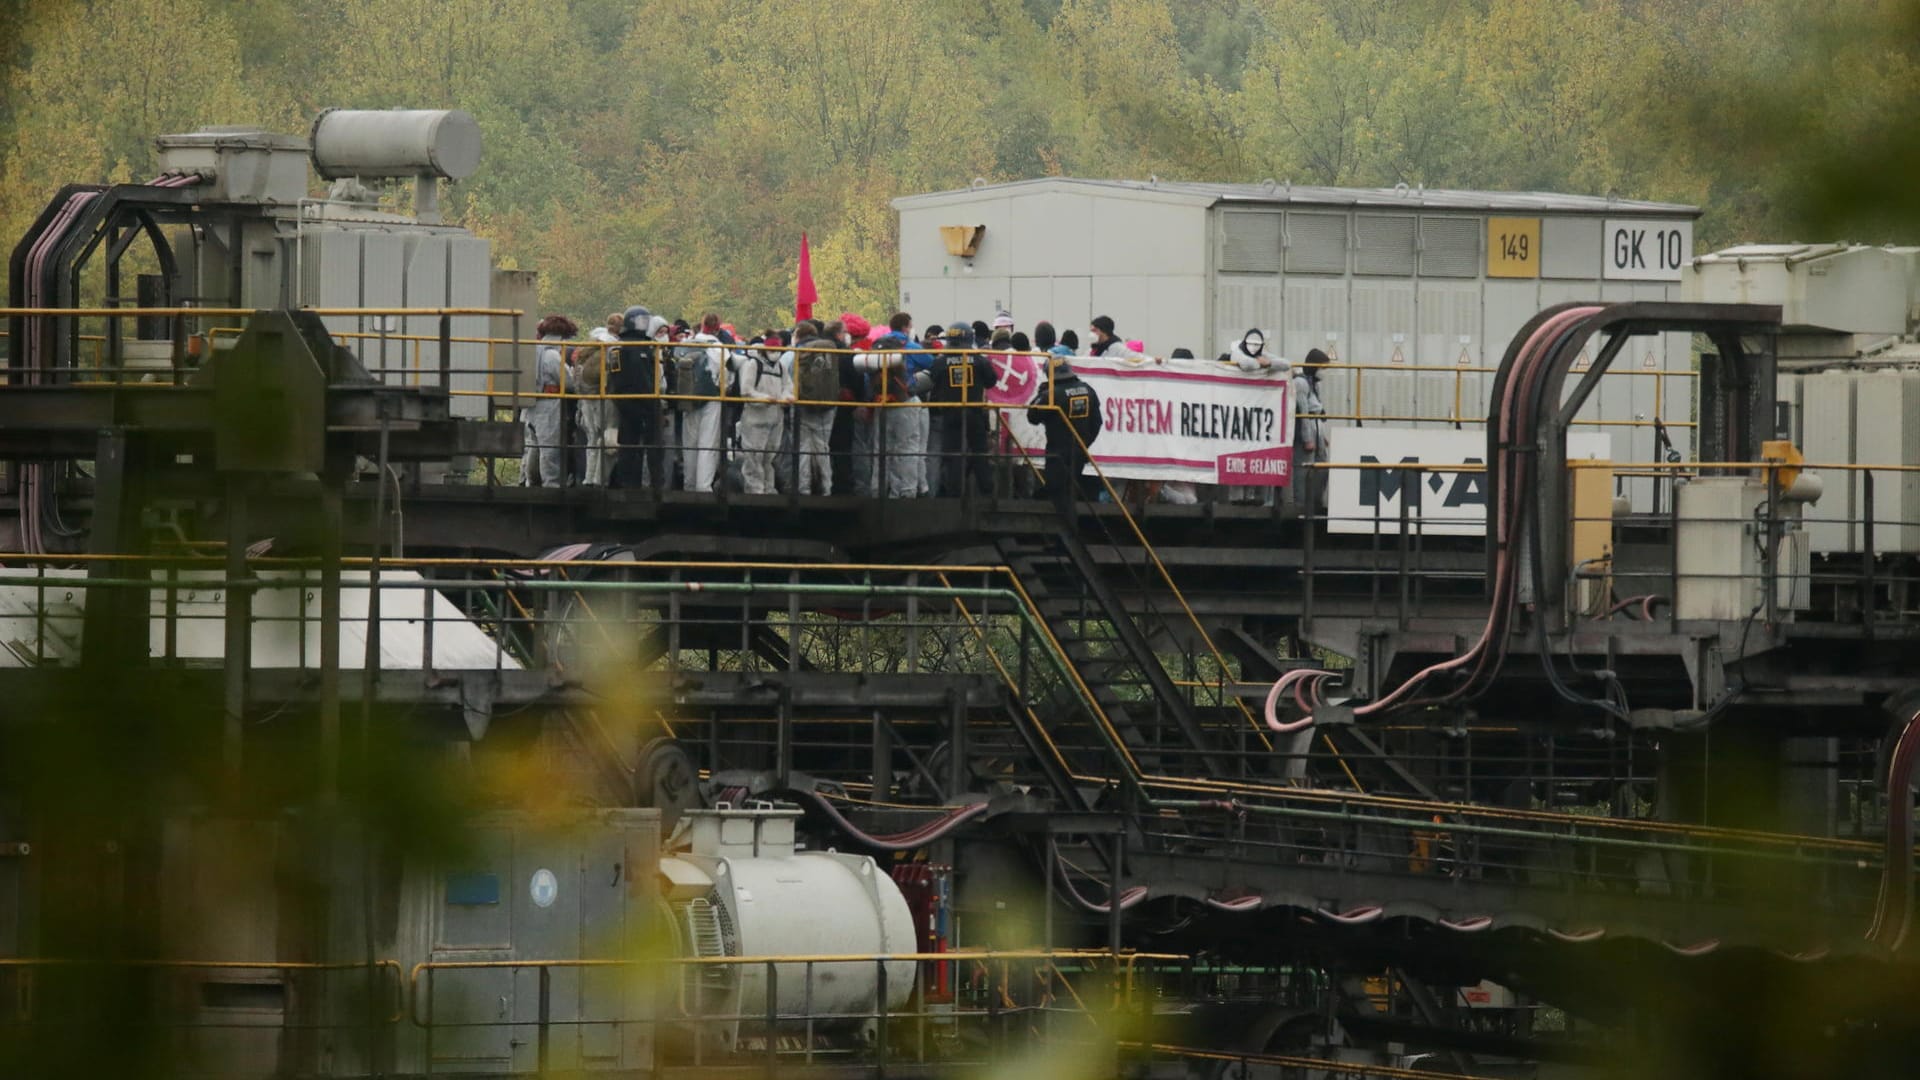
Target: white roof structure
<point>1271,193</point>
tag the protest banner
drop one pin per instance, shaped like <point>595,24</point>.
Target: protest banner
<point>1191,420</point>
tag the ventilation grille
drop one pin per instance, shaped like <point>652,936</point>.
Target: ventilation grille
<point>1250,242</point>
<point>1385,245</point>
<point>1316,243</point>
<point>708,987</point>
<point>1450,247</point>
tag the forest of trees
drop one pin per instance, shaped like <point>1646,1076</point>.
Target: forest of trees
<point>671,151</point>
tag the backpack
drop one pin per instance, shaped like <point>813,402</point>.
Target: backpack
<point>697,376</point>
<point>818,375</point>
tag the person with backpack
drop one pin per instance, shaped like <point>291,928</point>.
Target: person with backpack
<point>1068,410</point>
<point>962,379</point>
<point>766,387</point>
<point>898,370</point>
<point>816,373</point>
<point>701,376</point>
<point>594,414</point>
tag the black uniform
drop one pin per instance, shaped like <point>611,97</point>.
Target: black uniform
<point>1078,413</point>
<point>639,417</point>
<point>964,444</point>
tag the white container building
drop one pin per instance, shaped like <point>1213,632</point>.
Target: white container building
<point>1397,277</point>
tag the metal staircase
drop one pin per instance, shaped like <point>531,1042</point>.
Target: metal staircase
<point>1112,654</point>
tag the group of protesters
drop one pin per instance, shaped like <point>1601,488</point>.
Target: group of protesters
<point>651,402</point>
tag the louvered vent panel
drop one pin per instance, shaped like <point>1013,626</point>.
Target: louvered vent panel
<point>1450,247</point>
<point>1316,243</point>
<point>1250,242</point>
<point>1385,245</point>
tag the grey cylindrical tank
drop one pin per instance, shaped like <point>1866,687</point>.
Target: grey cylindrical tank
<point>395,142</point>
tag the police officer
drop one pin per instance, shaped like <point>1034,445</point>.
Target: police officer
<point>640,443</point>
<point>962,376</point>
<point>1066,408</point>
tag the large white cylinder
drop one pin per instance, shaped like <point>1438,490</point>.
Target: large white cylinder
<point>395,142</point>
<point>820,903</point>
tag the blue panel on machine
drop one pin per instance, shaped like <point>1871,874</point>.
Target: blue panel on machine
<point>473,890</point>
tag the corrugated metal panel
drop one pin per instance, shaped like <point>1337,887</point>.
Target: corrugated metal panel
<point>469,285</point>
<point>1316,243</point>
<point>1242,304</point>
<point>331,276</point>
<point>1250,241</point>
<point>1827,405</point>
<point>426,286</point>
<point>1887,432</point>
<point>1385,244</point>
<point>383,269</point>
<point>1450,246</point>
<point>1299,335</point>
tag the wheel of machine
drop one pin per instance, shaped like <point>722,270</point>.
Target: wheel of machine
<point>666,780</point>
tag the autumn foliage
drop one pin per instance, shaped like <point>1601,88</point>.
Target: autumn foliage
<point>671,151</point>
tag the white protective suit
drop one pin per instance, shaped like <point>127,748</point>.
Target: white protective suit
<point>594,415</point>
<point>540,465</point>
<point>900,434</point>
<point>766,383</point>
<point>1249,354</point>
<point>700,436</point>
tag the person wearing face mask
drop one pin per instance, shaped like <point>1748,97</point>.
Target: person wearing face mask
<point>1250,355</point>
<point>1106,343</point>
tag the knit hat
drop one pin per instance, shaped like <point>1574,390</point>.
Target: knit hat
<point>1181,354</point>
<point>1137,345</point>
<point>856,326</point>
<point>1003,321</point>
<point>1103,323</point>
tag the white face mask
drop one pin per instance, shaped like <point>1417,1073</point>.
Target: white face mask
<point>1254,344</point>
